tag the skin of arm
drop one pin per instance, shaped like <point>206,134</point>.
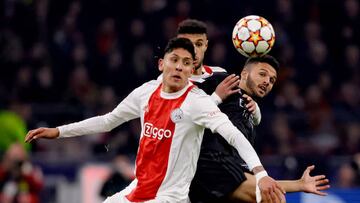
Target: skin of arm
<point>309,184</point>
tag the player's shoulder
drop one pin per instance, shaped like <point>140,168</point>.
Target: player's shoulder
<point>198,100</point>
<point>152,83</point>
<point>148,86</point>
<point>197,91</point>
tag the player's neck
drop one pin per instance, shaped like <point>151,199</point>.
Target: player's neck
<point>199,71</point>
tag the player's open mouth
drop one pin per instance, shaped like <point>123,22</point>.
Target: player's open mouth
<point>263,88</point>
<point>176,77</point>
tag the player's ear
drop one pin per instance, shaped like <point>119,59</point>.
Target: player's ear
<point>206,44</point>
<point>244,73</point>
<point>161,64</point>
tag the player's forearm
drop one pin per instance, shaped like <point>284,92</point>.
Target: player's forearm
<point>235,138</point>
<point>291,185</point>
<point>92,125</point>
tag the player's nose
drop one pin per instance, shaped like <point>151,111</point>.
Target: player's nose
<point>179,67</point>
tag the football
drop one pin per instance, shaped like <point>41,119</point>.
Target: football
<point>253,36</point>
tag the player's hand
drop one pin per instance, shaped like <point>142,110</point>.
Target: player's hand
<point>271,191</point>
<point>314,184</point>
<point>250,104</point>
<point>228,86</point>
<point>49,133</point>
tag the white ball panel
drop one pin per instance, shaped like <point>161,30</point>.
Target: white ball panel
<point>243,33</point>
<point>262,47</point>
<point>252,17</point>
<point>265,33</point>
<point>254,25</point>
<point>248,47</point>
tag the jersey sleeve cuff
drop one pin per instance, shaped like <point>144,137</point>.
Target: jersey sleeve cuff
<point>216,98</point>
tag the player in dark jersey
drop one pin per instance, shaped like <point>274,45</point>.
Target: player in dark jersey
<point>221,174</point>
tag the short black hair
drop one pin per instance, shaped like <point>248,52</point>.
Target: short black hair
<point>180,42</point>
<point>191,26</point>
<point>264,59</point>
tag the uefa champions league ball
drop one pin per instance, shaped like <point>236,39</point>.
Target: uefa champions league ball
<point>253,36</point>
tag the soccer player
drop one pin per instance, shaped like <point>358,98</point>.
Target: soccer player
<point>173,114</point>
<point>217,158</point>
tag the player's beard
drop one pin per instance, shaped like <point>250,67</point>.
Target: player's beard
<point>250,83</point>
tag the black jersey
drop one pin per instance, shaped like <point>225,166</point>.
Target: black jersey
<point>234,108</point>
<point>218,158</point>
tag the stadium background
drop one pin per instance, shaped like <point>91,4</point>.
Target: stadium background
<point>63,61</point>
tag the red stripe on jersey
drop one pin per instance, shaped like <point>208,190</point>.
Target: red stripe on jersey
<point>208,69</point>
<point>154,148</point>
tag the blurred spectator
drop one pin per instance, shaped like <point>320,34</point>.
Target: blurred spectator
<point>106,38</point>
<point>12,129</point>
<point>122,175</point>
<point>20,180</point>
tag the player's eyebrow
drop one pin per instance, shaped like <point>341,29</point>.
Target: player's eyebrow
<point>263,69</point>
<point>178,56</point>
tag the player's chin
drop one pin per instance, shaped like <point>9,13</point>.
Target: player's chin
<point>197,65</point>
<point>261,93</point>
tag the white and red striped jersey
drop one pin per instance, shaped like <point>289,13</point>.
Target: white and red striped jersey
<point>207,72</point>
<point>172,131</point>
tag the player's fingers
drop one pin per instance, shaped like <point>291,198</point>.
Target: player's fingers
<point>34,134</point>
<point>234,91</point>
<point>251,108</point>
<point>28,136</point>
<point>250,104</point>
<point>309,169</point>
<point>280,195</point>
<point>275,197</point>
<point>228,78</point>
<point>266,197</point>
<point>323,187</point>
<point>247,97</point>
<point>322,182</point>
<point>234,83</point>
<point>277,186</point>
<point>321,193</point>
<point>31,134</point>
<point>319,177</point>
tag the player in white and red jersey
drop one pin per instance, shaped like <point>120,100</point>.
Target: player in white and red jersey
<point>173,113</point>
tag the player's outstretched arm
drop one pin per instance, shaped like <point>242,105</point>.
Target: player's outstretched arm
<point>227,87</point>
<point>49,133</point>
<point>307,183</point>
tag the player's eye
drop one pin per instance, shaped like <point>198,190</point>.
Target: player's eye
<point>272,80</point>
<point>174,59</point>
<point>199,44</point>
<point>188,62</point>
<point>262,74</point>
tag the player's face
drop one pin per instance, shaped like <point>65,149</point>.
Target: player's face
<point>177,67</point>
<point>200,43</point>
<point>260,79</point>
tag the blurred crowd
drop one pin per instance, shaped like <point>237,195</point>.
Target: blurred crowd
<point>63,61</point>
